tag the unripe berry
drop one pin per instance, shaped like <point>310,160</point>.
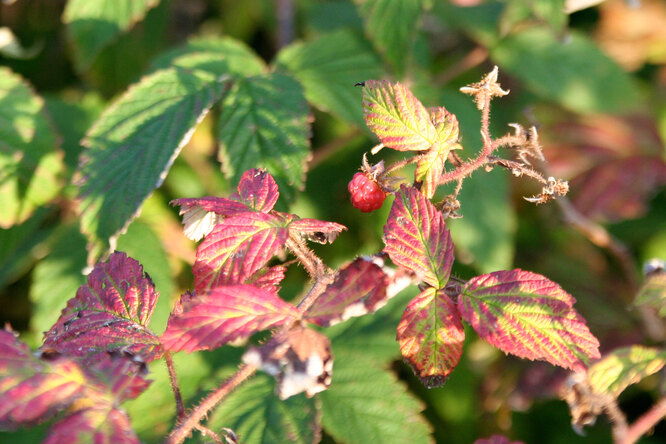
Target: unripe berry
<point>366,195</point>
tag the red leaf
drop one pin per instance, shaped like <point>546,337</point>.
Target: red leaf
<point>268,278</point>
<point>100,424</point>
<point>529,316</point>
<point>30,389</point>
<point>417,239</point>
<point>431,336</point>
<point>111,312</point>
<point>201,215</point>
<point>358,289</point>
<point>398,119</point>
<point>619,189</point>
<point>117,377</point>
<point>317,230</point>
<point>257,189</point>
<point>225,314</point>
<point>237,248</point>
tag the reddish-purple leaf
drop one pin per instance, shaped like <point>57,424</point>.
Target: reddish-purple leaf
<point>225,314</point>
<point>317,230</point>
<point>431,336</point>
<point>117,377</point>
<point>201,215</point>
<point>32,390</point>
<point>257,189</point>
<point>111,312</point>
<point>268,278</point>
<point>358,289</point>
<point>529,316</point>
<point>398,119</point>
<point>237,248</point>
<point>417,239</point>
<point>619,189</point>
<point>102,423</point>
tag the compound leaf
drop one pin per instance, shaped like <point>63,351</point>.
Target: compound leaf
<point>527,315</point>
<point>32,390</point>
<point>237,248</point>
<point>366,404</point>
<point>258,416</point>
<point>225,314</point>
<point>30,162</point>
<point>265,123</point>
<point>132,146</point>
<point>329,67</point>
<point>94,24</point>
<point>623,367</point>
<point>390,25</point>
<point>417,239</point>
<point>396,117</point>
<point>431,336</point>
<point>359,288</point>
<point>111,312</point>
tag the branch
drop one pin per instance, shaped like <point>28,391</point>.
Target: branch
<point>643,424</point>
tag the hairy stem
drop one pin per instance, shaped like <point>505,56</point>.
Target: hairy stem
<point>180,410</point>
<point>310,261</point>
<point>184,428</point>
<point>643,424</point>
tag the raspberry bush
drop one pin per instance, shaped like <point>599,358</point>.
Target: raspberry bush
<point>182,258</point>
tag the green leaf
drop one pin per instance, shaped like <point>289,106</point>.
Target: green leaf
<point>329,67</point>
<point>544,11</point>
<point>480,21</point>
<point>94,24</point>
<point>17,246</point>
<point>390,25</point>
<point>368,405</point>
<point>265,124</point>
<point>219,55</point>
<point>56,278</point>
<point>485,233</point>
<point>132,146</point>
<point>30,159</point>
<point>431,336</point>
<point>257,415</point>
<point>574,73</point>
<point>623,367</point>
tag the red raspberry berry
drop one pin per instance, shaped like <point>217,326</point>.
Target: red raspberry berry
<point>365,193</point>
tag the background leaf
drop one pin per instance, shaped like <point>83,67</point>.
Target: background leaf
<point>265,123</point>
<point>653,293</point>
<point>132,146</point>
<point>218,55</point>
<point>225,314</point>
<point>417,239</point>
<point>328,68</point>
<point>93,24</point>
<point>623,367</point>
<point>390,26</point>
<point>257,415</point>
<point>574,73</point>
<point>366,404</point>
<point>30,159</point>
<point>529,316</point>
<point>431,336</point>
